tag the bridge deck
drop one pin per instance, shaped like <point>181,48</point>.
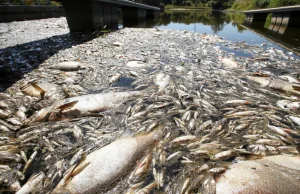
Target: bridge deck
<point>122,3</point>
<point>272,10</point>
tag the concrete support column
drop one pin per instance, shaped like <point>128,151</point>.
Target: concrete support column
<point>133,16</point>
<point>89,15</point>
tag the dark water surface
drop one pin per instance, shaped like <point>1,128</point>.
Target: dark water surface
<point>230,26</point>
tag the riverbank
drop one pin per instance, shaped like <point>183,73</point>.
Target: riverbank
<point>209,107</point>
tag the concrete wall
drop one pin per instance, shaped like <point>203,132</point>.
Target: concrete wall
<point>20,13</point>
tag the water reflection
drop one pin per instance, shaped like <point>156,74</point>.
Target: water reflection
<point>228,25</point>
<point>282,34</point>
<point>216,20</point>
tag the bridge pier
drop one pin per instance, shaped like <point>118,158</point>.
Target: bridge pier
<point>90,15</point>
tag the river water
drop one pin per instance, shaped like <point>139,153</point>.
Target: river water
<point>229,26</point>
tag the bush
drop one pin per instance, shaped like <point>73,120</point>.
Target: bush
<point>262,3</point>
<point>278,3</point>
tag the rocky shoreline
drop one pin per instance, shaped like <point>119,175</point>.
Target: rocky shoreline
<point>65,102</point>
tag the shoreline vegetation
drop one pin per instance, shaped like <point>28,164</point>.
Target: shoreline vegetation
<point>228,5</point>
<point>242,5</point>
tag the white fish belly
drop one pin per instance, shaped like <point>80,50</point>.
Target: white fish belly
<point>100,102</point>
<point>106,165</point>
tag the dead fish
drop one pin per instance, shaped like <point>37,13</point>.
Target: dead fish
<point>285,86</point>
<point>32,183</point>
<point>277,84</point>
<point>136,64</point>
<point>82,106</point>
<point>181,69</point>
<point>117,44</point>
<point>4,113</point>
<point>21,113</point>
<point>147,189</point>
<point>69,81</point>
<point>4,104</point>
<point>289,79</point>
<point>225,155</point>
<point>274,174</point>
<point>184,139</point>
<point>268,142</point>
<point>68,66</point>
<point>99,170</point>
<point>295,120</point>
<point>14,121</point>
<point>288,105</point>
<point>278,130</point>
<point>263,81</point>
<point>237,102</point>
<point>114,78</point>
<point>142,168</point>
<point>241,114</point>
<point>34,90</point>
<point>133,73</point>
<point>162,81</point>
<point>41,90</point>
<point>229,63</point>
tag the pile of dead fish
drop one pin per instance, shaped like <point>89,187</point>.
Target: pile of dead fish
<point>153,111</point>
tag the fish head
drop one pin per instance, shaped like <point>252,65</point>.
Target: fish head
<point>39,116</point>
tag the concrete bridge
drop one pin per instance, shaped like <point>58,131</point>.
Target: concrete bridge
<point>282,17</point>
<point>84,15</point>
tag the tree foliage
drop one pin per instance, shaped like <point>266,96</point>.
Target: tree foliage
<point>215,4</point>
<point>257,4</point>
<point>216,20</point>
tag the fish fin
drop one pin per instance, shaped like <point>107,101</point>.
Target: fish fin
<point>297,88</point>
<point>67,106</point>
<point>38,88</point>
<point>68,177</point>
<point>79,167</point>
